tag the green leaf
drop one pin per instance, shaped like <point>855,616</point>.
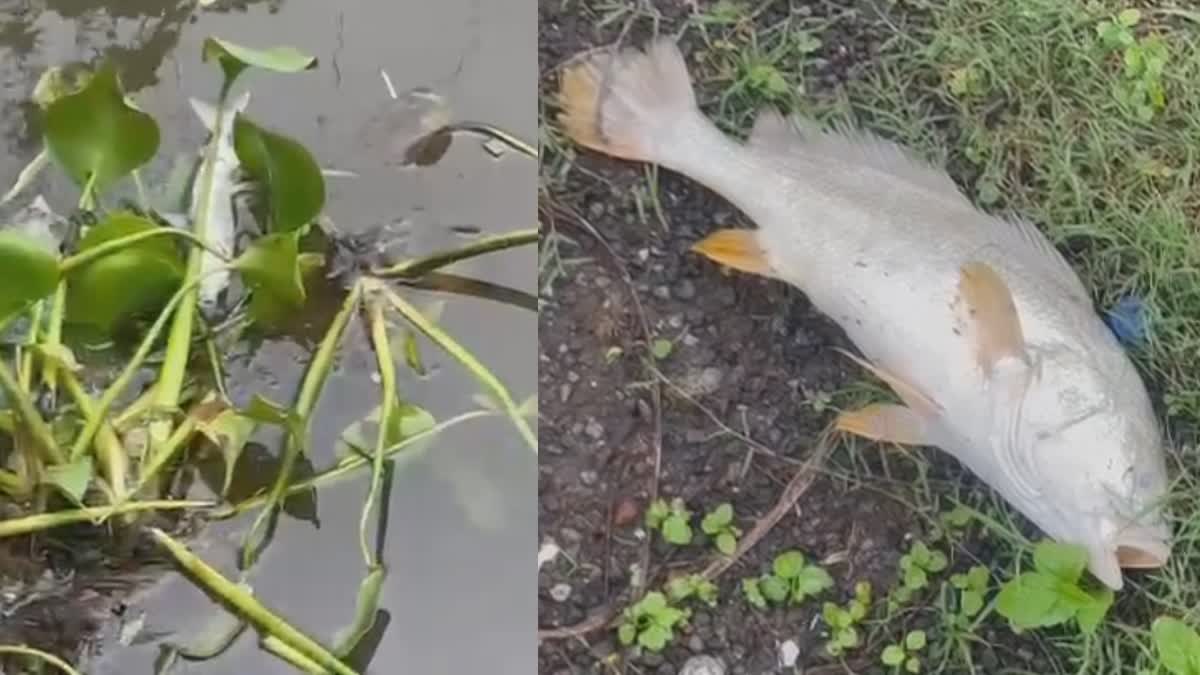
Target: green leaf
<point>134,279</point>
<point>661,348</point>
<point>936,562</point>
<point>30,273</point>
<point>915,640</point>
<point>811,581</point>
<point>366,610</point>
<point>893,655</point>
<point>726,543</point>
<point>753,592</point>
<point>71,479</point>
<point>655,637</point>
<point>788,564</point>
<point>1129,17</point>
<point>913,664</point>
<point>270,267</point>
<point>1032,601</point>
<point>847,637</point>
<point>230,432</point>
<point>915,578</point>
<point>675,529</point>
<point>294,189</point>
<point>94,133</point>
<point>977,577</point>
<point>1064,561</point>
<point>265,410</point>
<point>971,602</point>
<point>1177,645</point>
<point>652,603</point>
<point>627,633</point>
<point>717,520</point>
<point>234,58</point>
<point>774,589</point>
<point>1090,615</point>
<point>657,513</point>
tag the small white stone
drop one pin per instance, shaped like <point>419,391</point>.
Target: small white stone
<point>788,653</point>
<point>703,665</point>
<point>560,592</point>
<point>547,553</point>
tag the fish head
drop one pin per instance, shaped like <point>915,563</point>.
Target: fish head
<point>1103,475</point>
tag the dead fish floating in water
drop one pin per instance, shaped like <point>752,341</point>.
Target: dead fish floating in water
<point>977,322</point>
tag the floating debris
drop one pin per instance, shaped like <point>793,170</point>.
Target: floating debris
<point>1127,320</point>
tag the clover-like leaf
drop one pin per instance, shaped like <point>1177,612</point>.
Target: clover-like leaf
<point>1063,561</point>
<point>1031,601</point>
<point>915,640</point>
<point>716,521</point>
<point>726,543</point>
<point>30,273</point>
<point>811,581</point>
<point>294,189</point>
<point>787,565</point>
<point>134,279</point>
<point>1177,645</point>
<point>774,589</point>
<point>94,134</point>
<point>893,655</point>
<point>675,529</point>
<point>654,637</point>
<point>752,589</point>
<point>235,58</point>
<point>627,633</point>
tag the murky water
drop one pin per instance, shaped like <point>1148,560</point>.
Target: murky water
<point>463,517</point>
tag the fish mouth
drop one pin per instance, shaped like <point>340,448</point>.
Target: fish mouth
<point>1142,548</point>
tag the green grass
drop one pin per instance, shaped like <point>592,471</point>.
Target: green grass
<point>1078,117</point>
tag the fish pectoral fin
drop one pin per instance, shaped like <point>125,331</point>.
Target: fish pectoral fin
<point>912,396</point>
<point>884,422</point>
<point>739,249</point>
<point>992,316</point>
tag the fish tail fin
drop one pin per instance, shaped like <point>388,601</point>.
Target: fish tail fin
<point>622,104</point>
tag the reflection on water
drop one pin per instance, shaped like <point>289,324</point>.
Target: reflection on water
<point>462,515</point>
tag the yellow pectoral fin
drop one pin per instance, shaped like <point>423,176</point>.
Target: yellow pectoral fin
<point>992,315</point>
<point>884,422</point>
<point>738,249</point>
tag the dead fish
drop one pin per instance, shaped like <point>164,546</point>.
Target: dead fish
<point>976,321</point>
<point>217,201</point>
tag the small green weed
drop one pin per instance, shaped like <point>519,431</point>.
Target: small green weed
<point>903,655</point>
<point>792,580</point>
<point>661,348</point>
<point>718,524</point>
<point>915,568</point>
<point>1177,645</point>
<point>670,519</point>
<point>682,588</point>
<point>1051,594</point>
<point>1141,88</point>
<point>972,587</point>
<point>651,622</point>
<point>843,621</point>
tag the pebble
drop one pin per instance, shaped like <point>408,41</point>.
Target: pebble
<point>788,653</point>
<point>702,665</point>
<point>684,290</point>
<point>588,477</point>
<point>560,592</point>
<point>594,430</point>
<point>696,644</point>
<point>662,292</point>
<point>596,209</point>
<point>564,392</point>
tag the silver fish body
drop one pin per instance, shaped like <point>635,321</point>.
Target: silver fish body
<point>1060,424</point>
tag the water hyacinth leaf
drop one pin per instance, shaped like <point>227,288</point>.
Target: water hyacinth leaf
<point>270,267</point>
<point>71,479</point>
<point>230,432</point>
<point>95,135</point>
<point>55,83</point>
<point>406,421</point>
<point>365,612</point>
<point>294,190</point>
<point>137,278</point>
<point>235,58</point>
<point>30,273</point>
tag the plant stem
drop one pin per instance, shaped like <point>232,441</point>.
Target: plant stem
<point>44,656</point>
<point>419,266</point>
<point>497,133</point>
<point>70,264</point>
<point>94,514</point>
<point>387,376</point>
<point>114,463</point>
<point>467,359</point>
<point>310,390</point>
<point>162,456</point>
<point>248,606</point>
<point>25,374</point>
<point>37,426</point>
<point>348,466</point>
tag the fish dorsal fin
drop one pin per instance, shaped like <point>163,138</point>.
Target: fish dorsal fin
<point>846,144</point>
<point>991,316</point>
<point>1027,235</point>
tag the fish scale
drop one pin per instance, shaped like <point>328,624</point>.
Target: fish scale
<point>976,321</point>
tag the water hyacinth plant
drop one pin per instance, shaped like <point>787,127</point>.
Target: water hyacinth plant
<point>71,455</point>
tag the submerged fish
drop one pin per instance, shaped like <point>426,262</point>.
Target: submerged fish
<point>218,200</point>
<point>977,322</point>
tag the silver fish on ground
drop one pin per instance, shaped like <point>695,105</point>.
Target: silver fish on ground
<point>976,322</point>
<point>217,200</point>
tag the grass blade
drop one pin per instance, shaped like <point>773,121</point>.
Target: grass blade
<point>499,242</point>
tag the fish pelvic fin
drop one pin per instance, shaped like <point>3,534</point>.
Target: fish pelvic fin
<point>991,314</point>
<point>917,401</point>
<point>739,249</point>
<point>884,422</point>
<point>620,103</point>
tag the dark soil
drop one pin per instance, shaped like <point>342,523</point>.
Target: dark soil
<point>755,355</point>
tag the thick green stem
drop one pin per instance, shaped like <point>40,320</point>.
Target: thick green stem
<point>25,374</point>
<point>387,375</point>
<point>58,311</point>
<point>39,654</point>
<point>34,423</point>
<point>310,390</point>
<point>92,514</point>
<point>114,463</point>
<point>419,266</point>
<point>467,359</point>
<point>248,606</point>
